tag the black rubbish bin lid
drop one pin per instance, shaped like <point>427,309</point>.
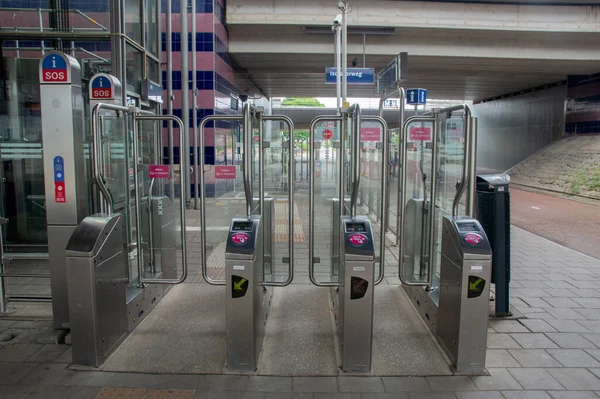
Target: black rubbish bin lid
<point>491,181</point>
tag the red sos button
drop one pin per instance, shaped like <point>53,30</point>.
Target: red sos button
<point>59,192</point>
<point>473,238</point>
<point>101,93</point>
<point>240,238</point>
<point>358,239</point>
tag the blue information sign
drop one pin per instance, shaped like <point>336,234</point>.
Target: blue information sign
<point>416,96</point>
<point>356,76</point>
<point>54,69</point>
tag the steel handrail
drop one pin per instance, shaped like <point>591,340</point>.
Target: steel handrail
<point>356,156</point>
<point>247,140</point>
<point>182,204</point>
<point>203,249</point>
<point>465,178</point>
<point>402,209</point>
<point>290,125</point>
<point>96,140</point>
<point>150,222</point>
<point>311,196</point>
<point>384,184</point>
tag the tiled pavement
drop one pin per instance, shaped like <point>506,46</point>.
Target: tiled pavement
<point>552,352</point>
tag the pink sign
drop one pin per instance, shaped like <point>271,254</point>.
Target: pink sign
<point>358,239</point>
<point>225,172</point>
<point>158,171</point>
<point>419,134</point>
<point>240,238</point>
<point>370,134</point>
<point>473,238</point>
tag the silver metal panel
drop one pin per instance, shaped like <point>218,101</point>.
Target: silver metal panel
<point>355,315</point>
<point>58,237</point>
<point>247,314</point>
<point>97,290</point>
<point>141,301</point>
<point>514,128</point>
<point>63,135</point>
<point>463,320</point>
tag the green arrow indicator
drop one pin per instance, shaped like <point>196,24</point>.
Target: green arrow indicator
<point>237,285</point>
<point>473,285</point>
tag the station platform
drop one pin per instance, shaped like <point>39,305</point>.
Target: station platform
<point>550,350</point>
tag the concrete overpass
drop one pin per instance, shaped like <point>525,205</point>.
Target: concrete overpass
<point>465,50</point>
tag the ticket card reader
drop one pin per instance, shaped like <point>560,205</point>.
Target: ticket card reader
<point>247,299</point>
<point>465,277</point>
<point>355,304</point>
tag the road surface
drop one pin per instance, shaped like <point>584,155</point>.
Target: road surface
<point>573,224</point>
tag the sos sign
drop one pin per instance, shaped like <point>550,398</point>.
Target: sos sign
<point>101,88</point>
<point>54,69</point>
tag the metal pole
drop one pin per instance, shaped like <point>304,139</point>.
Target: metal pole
<point>432,221</point>
<point>247,140</point>
<point>364,50</point>
<point>138,216</point>
<point>356,122</point>
<point>344,54</point>
<point>184,147</point>
<point>261,165</point>
<point>195,107</point>
<point>338,66</point>
<point>470,211</point>
<point>169,43</point>
<point>402,95</point>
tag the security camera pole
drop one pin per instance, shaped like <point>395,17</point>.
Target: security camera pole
<point>343,7</point>
<point>337,27</point>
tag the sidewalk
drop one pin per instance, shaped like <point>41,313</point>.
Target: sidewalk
<point>552,353</point>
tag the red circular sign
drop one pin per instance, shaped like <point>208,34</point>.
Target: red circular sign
<point>327,134</point>
<point>473,238</point>
<point>358,239</point>
<point>256,138</point>
<point>240,238</point>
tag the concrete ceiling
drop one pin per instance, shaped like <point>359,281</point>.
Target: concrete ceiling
<point>457,78</point>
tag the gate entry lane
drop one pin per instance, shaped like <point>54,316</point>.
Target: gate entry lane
<point>571,223</point>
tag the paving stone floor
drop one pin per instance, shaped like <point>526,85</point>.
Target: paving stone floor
<point>552,352</point>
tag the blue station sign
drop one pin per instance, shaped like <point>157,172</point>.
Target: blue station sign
<point>356,76</point>
<point>416,96</point>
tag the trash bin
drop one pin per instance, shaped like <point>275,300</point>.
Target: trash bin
<point>493,212</point>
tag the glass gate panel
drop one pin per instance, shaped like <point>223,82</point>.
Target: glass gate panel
<point>450,160</point>
<point>418,170</point>
<point>276,155</point>
<point>370,196</point>
<point>224,191</point>
<point>329,165</point>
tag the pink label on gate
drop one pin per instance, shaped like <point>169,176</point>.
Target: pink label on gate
<point>358,239</point>
<point>419,134</point>
<point>225,172</point>
<point>240,238</point>
<point>158,171</point>
<point>473,238</point>
<point>370,134</point>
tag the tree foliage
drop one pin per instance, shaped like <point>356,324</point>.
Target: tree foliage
<point>302,102</point>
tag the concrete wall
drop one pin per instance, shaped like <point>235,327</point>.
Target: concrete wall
<point>514,128</point>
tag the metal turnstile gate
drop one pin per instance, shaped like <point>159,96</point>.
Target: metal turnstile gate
<point>247,300</point>
<point>465,277</point>
<point>354,313</point>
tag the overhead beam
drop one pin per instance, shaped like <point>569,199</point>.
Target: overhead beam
<point>418,14</point>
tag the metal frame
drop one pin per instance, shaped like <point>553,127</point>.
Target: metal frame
<point>357,119</point>
<point>182,205</point>
<point>249,112</point>
<point>467,180</point>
